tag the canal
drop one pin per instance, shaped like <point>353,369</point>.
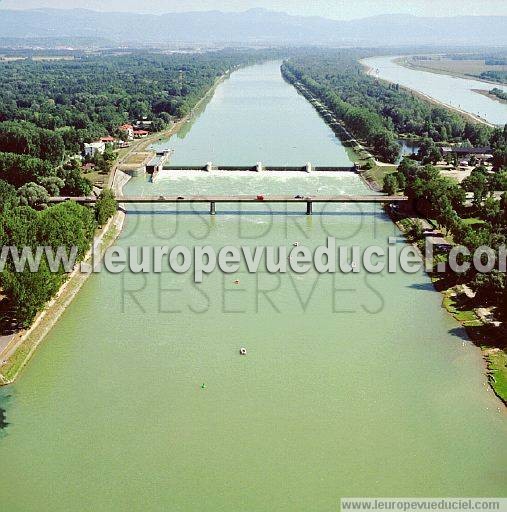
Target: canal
<point>354,385</point>
<point>453,91</point>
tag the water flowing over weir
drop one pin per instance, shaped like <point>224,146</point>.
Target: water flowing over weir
<point>353,384</point>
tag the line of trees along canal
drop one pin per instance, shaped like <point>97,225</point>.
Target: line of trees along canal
<point>48,110</point>
<point>374,111</point>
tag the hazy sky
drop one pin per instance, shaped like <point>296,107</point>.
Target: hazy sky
<point>339,9</point>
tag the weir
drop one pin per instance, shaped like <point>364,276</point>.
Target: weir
<point>308,167</point>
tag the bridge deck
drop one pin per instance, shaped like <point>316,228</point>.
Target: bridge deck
<point>242,199</point>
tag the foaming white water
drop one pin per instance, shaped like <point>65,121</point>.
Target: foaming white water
<point>175,174</point>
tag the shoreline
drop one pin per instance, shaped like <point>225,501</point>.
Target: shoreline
<point>488,94</point>
<point>369,71</point>
<point>402,61</point>
<point>488,353</point>
<point>23,344</point>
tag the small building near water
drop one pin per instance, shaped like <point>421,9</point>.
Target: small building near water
<point>108,140</point>
<point>128,129</point>
<point>156,164</point>
<point>94,147</point>
<point>479,152</point>
<point>439,243</point>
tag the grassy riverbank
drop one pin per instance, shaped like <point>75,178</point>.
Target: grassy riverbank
<point>485,335</point>
<point>375,176</point>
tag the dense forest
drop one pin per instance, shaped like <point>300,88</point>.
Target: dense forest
<point>48,110</point>
<point>91,96</point>
<point>375,111</point>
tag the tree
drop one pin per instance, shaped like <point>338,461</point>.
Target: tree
<point>109,154</point>
<point>8,197</point>
<point>52,184</point>
<point>386,146</point>
<point>75,184</point>
<point>500,158</point>
<point>26,138</point>
<point>29,291</point>
<point>498,181</point>
<point>428,152</point>
<point>390,184</point>
<point>68,225</point>
<point>33,195</point>
<point>20,169</point>
<point>402,181</point>
<point>105,207</point>
<point>64,225</point>
<point>490,210</point>
<point>409,169</point>
<point>489,287</point>
<point>477,183</point>
<point>503,209</point>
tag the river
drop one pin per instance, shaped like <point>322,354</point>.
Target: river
<point>456,92</point>
<point>353,385</point>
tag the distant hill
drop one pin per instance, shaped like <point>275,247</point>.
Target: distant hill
<point>253,26</point>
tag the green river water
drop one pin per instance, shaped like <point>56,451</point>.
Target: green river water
<point>354,385</point>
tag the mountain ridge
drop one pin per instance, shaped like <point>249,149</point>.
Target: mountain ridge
<point>252,26</point>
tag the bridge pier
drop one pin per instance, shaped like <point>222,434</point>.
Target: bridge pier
<point>212,208</point>
<point>309,208</point>
<point>259,167</point>
<point>209,167</point>
<point>309,167</point>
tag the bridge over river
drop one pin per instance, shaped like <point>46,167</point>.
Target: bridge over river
<point>212,200</point>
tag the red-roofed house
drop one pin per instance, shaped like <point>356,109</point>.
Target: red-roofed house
<point>108,140</point>
<point>128,129</point>
<point>140,134</point>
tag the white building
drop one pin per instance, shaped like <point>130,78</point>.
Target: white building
<point>94,147</point>
<point>128,129</point>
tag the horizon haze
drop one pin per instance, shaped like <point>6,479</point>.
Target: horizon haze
<point>252,27</point>
<point>332,9</point>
